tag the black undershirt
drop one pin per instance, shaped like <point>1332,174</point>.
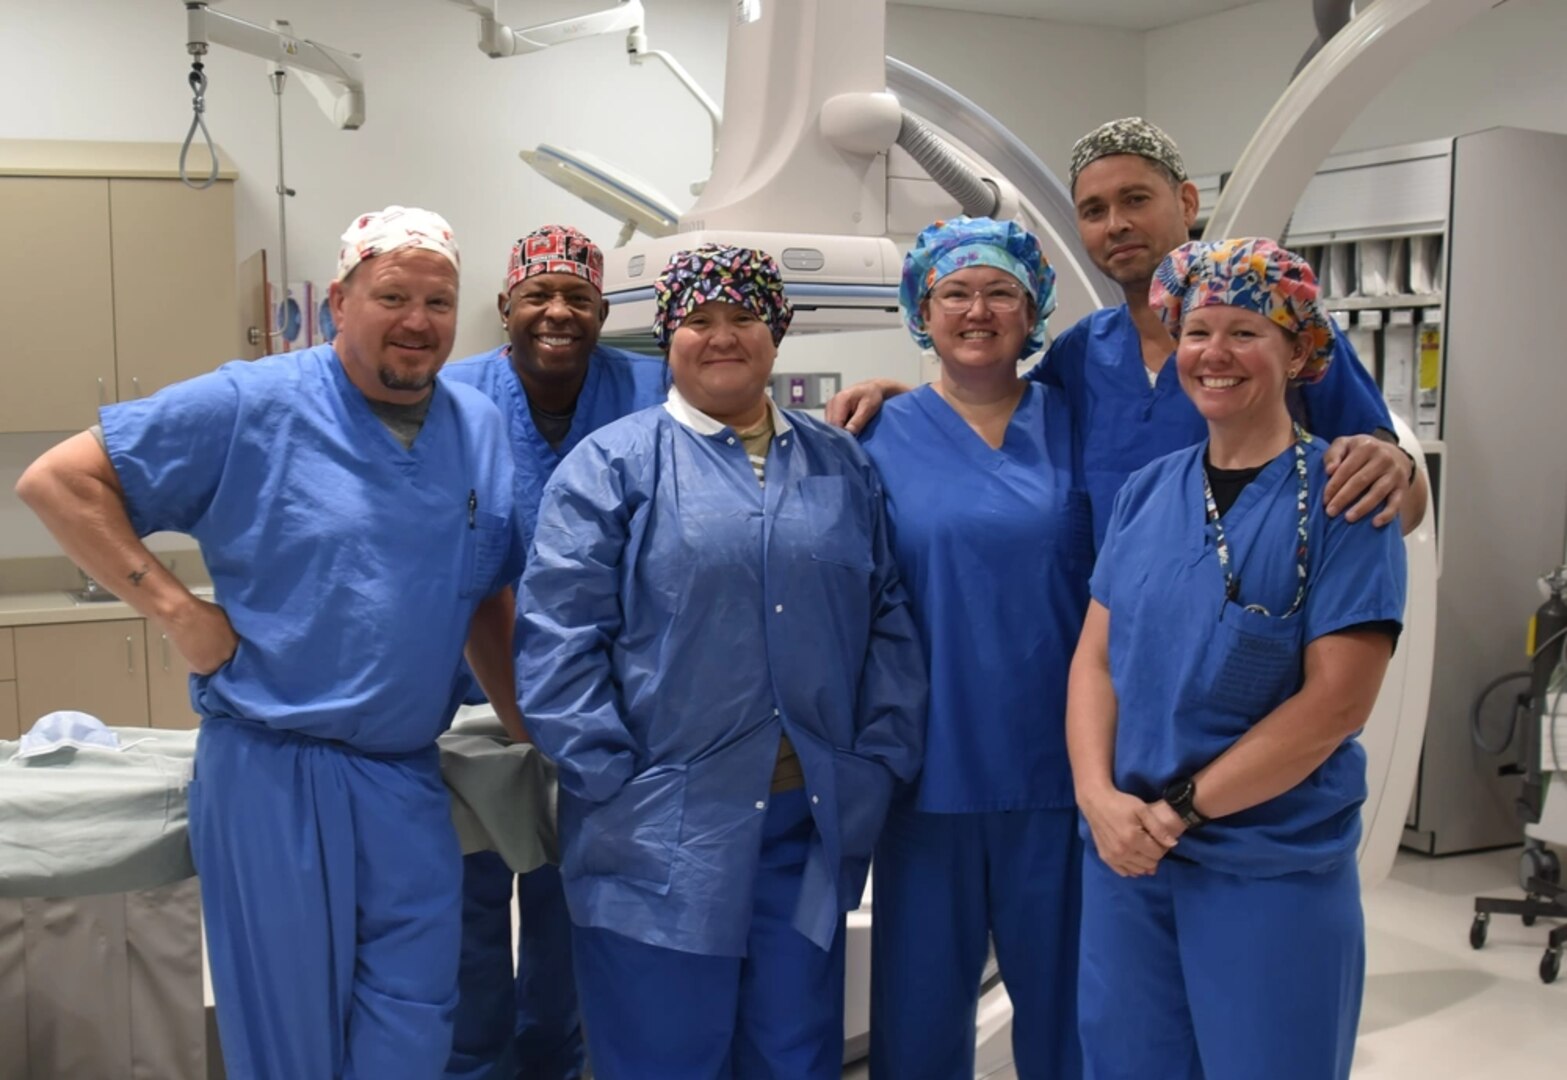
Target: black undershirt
<point>1227,485</point>
<point>554,427</point>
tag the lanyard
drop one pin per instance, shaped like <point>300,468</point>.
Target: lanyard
<point>1232,586</point>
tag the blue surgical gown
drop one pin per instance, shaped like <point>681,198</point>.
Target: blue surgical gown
<point>349,566</point>
<point>617,384</point>
<point>676,620</point>
<point>1125,423</point>
<point>1193,671</point>
<point>995,551</point>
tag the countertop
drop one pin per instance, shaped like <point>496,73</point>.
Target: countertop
<point>41,608</point>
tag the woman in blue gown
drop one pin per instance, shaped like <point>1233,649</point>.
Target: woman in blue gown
<point>1234,647</point>
<point>718,654</point>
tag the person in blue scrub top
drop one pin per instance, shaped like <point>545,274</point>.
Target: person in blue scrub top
<point>1134,206</point>
<point>990,529</point>
<point>356,516</point>
<point>1235,645</point>
<point>554,383</point>
<point>717,651</point>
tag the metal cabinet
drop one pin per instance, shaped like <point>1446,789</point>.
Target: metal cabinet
<point>98,668</point>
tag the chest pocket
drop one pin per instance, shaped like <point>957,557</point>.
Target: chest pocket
<point>1252,662</point>
<point>484,550</point>
<point>838,518</point>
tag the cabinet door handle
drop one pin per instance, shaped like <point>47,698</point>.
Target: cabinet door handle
<point>164,644</point>
<point>130,655</point>
<point>135,386</point>
<point>103,398</point>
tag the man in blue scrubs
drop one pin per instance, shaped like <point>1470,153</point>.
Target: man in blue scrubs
<point>356,517</point>
<point>1134,206</point>
<point>554,383</point>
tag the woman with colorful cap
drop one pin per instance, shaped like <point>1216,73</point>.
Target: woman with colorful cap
<point>990,529</point>
<point>1235,645</point>
<point>717,652</point>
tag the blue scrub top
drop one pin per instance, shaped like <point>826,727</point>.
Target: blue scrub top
<point>617,384</point>
<point>1194,671</point>
<point>1125,423</point>
<point>677,618</point>
<point>349,566</point>
<point>995,550</point>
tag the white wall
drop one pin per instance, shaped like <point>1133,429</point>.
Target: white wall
<point>1048,82</point>
<point>1210,81</point>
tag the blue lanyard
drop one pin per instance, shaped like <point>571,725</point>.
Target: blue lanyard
<point>1232,586</point>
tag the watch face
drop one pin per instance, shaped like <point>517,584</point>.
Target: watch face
<point>1179,792</point>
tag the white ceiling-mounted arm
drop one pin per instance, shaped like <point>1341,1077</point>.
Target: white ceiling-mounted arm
<point>1321,102</point>
<point>636,46</point>
<point>496,39</point>
<point>334,78</point>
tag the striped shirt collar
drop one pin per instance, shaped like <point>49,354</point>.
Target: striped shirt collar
<point>699,422</point>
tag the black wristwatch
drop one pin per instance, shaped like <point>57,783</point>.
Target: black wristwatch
<point>1179,793</point>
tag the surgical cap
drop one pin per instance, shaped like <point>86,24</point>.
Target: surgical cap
<point>555,249</point>
<point>391,229</point>
<point>949,246</point>
<point>736,275</point>
<point>1132,135</point>
<point>1254,274</point>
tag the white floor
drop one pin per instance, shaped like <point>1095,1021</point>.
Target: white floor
<point>1434,1007</point>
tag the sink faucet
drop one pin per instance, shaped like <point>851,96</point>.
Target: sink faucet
<point>90,588</point>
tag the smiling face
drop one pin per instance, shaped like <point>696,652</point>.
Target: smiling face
<point>1130,215</point>
<point>396,316</point>
<point>1235,364</point>
<point>720,359</point>
<point>975,333</point>
<point>553,321</point>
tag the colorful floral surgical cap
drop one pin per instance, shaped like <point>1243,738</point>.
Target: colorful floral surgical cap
<point>393,228</point>
<point>736,275</point>
<point>555,249</point>
<point>949,246</point>
<point>1254,274</point>
<point>1131,135</point>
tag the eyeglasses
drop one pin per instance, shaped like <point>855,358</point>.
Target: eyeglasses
<point>999,298</point>
<point>580,303</point>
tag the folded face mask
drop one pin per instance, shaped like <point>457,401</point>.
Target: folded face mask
<point>66,730</point>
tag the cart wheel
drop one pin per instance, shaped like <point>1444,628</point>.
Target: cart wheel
<point>1477,931</point>
<point>1538,862</point>
<point>1530,918</point>
<point>1550,965</point>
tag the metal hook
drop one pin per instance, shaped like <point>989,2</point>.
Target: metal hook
<point>198,84</point>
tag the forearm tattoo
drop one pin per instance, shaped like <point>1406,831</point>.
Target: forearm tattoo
<point>137,575</point>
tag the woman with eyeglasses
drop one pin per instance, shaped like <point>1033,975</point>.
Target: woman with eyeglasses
<point>991,532</point>
<point>1234,647</point>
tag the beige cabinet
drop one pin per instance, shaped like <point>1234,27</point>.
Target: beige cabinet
<point>115,278</point>
<point>98,668</point>
<point>7,656</point>
<point>175,289</point>
<point>57,302</point>
<point>168,683</point>
<point>10,720</point>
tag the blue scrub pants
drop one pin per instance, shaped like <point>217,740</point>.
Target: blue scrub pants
<point>774,1014</point>
<point>331,887</point>
<point>945,886</point>
<point>1193,974</point>
<point>523,1026</point>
